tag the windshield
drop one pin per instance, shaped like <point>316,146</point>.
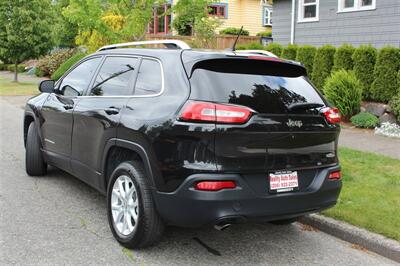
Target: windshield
<point>263,93</point>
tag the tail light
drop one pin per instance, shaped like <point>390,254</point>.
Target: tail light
<point>332,115</point>
<point>212,112</point>
<point>335,175</point>
<point>215,185</point>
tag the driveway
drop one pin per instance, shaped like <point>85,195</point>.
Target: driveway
<point>57,219</point>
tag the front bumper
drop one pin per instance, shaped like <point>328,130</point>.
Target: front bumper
<point>188,207</point>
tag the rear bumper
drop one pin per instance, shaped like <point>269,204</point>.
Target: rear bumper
<point>188,207</point>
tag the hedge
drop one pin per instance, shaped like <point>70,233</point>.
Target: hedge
<point>67,65</point>
<point>289,52</point>
<point>265,34</point>
<point>234,31</point>
<point>343,58</point>
<point>3,66</point>
<point>344,91</point>
<point>21,68</point>
<point>305,55</point>
<point>52,62</point>
<point>274,48</point>
<point>250,46</point>
<point>364,59</point>
<point>384,87</point>
<point>323,63</point>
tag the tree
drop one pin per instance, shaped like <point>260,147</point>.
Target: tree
<point>64,31</point>
<point>384,87</point>
<point>343,58</point>
<point>322,66</point>
<point>205,32</point>
<point>102,22</point>
<point>186,13</point>
<point>364,59</point>
<point>25,31</point>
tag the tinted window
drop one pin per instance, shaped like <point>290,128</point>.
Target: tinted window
<point>263,93</point>
<point>77,81</point>
<point>149,79</point>
<point>115,77</point>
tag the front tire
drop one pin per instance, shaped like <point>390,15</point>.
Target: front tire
<point>132,215</point>
<point>34,162</point>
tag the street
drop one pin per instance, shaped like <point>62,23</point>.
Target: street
<point>57,219</point>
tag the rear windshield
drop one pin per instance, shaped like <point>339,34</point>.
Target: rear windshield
<point>263,93</point>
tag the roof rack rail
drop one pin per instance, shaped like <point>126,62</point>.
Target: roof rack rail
<point>170,44</point>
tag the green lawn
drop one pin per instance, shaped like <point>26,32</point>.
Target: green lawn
<point>370,197</point>
<point>10,88</point>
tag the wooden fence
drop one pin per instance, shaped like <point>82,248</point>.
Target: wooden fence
<point>222,41</point>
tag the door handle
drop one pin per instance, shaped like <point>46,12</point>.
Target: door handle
<point>112,111</point>
<point>68,106</point>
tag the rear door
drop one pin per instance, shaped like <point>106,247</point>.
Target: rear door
<point>286,131</point>
<point>97,115</point>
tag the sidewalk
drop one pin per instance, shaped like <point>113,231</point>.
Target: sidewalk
<point>366,140</point>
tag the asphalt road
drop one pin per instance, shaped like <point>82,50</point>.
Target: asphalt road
<point>57,219</point>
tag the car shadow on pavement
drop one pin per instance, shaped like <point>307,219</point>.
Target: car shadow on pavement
<point>85,204</point>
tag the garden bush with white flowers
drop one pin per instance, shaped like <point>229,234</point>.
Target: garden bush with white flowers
<point>389,130</point>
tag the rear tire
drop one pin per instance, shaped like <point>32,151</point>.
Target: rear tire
<point>285,221</point>
<point>34,162</point>
<point>143,226</point>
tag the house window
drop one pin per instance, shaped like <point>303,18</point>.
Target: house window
<point>218,10</point>
<point>267,16</point>
<point>356,5</point>
<point>161,22</point>
<point>308,10</point>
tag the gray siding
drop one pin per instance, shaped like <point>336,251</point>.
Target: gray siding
<point>378,27</point>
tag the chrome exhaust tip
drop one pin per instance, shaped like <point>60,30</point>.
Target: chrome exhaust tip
<point>221,227</point>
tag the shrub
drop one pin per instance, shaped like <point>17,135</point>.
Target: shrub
<point>364,59</point>
<point>395,106</point>
<point>344,91</point>
<point>289,52</point>
<point>323,63</point>
<point>384,86</point>
<point>21,68</point>
<point>39,73</point>
<point>50,63</point>
<point>265,34</point>
<point>343,58</point>
<point>3,66</point>
<point>274,48</point>
<point>305,55</point>
<point>67,65</point>
<point>234,31</point>
<point>365,120</point>
<point>251,46</point>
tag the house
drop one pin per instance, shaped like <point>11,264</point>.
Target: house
<point>253,15</point>
<point>319,22</point>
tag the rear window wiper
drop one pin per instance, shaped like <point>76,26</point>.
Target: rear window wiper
<point>304,106</point>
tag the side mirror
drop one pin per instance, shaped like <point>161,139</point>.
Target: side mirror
<point>47,86</point>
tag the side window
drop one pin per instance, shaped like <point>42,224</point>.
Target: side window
<point>149,79</point>
<point>115,77</point>
<point>77,81</point>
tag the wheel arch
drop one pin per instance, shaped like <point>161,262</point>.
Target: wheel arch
<point>123,150</point>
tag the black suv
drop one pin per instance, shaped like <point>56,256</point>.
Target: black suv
<point>188,138</point>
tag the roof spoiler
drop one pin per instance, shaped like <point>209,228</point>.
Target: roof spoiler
<point>251,65</point>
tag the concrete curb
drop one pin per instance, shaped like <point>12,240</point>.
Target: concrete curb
<point>374,242</point>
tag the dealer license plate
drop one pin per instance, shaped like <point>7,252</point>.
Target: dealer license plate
<point>283,181</point>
